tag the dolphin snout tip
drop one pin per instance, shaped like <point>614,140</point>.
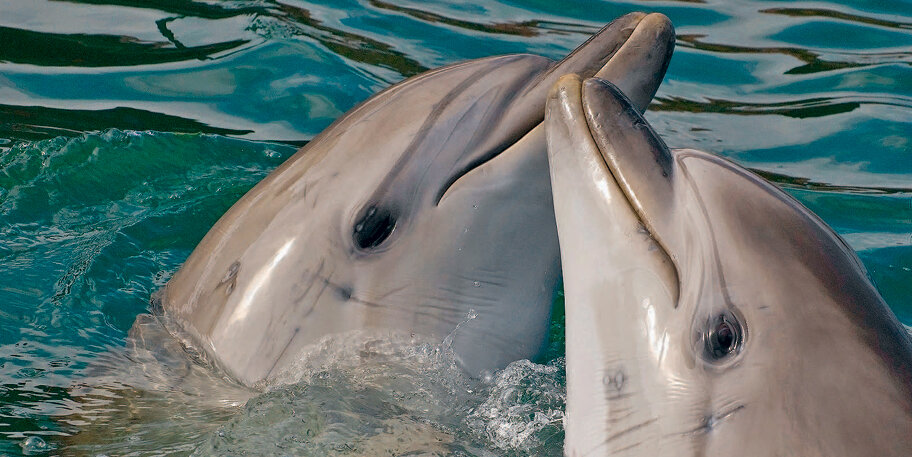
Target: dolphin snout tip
<point>637,22</point>
<point>661,25</point>
<point>657,20</point>
<point>633,17</point>
<point>658,23</point>
<point>563,84</point>
<point>640,57</point>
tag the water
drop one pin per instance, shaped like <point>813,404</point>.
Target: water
<point>128,127</point>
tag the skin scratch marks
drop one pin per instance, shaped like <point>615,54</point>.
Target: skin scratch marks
<point>620,434</point>
<point>713,420</point>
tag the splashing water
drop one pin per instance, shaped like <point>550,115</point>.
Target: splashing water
<point>404,401</point>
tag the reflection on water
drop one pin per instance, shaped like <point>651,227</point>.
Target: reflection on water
<point>127,127</point>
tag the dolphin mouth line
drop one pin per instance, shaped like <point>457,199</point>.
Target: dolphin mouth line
<point>625,192</point>
<point>616,176</point>
<point>628,32</point>
<point>613,174</point>
<point>497,152</point>
<point>616,179</point>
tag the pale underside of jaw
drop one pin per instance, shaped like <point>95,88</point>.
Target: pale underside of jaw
<point>617,282</point>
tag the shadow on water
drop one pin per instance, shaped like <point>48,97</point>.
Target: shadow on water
<point>524,28</point>
<point>813,63</point>
<point>57,50</point>
<point>833,14</point>
<point>799,109</point>
<point>797,182</point>
<point>37,122</point>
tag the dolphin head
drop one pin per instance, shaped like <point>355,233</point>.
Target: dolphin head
<point>425,208</point>
<point>708,312</point>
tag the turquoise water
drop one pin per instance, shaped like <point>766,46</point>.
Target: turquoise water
<point>128,127</point>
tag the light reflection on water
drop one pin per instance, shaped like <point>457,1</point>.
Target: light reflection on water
<point>816,96</point>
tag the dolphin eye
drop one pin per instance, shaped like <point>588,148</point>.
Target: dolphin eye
<point>374,227</point>
<point>723,337</point>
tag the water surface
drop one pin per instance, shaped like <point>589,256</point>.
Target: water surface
<point>128,127</point>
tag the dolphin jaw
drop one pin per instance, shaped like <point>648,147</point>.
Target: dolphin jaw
<point>612,268</point>
<point>623,63</point>
<point>645,54</point>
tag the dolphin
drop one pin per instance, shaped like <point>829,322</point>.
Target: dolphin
<point>425,208</point>
<point>709,313</point>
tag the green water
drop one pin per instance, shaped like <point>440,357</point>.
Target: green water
<point>128,127</point>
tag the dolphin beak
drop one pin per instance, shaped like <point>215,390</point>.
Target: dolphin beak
<point>593,206</point>
<point>638,159</point>
<point>617,282</point>
<point>632,51</point>
<point>637,68</point>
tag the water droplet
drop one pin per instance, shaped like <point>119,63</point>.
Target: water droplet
<point>34,445</point>
<point>487,376</point>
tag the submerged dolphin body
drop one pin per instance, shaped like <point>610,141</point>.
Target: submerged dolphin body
<point>709,313</point>
<point>427,203</point>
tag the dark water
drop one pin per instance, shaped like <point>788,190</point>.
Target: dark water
<point>128,127</point>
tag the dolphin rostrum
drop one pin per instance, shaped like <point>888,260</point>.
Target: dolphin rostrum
<point>424,205</point>
<point>708,312</point>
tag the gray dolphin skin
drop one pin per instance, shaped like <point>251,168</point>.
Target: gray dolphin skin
<point>424,208</point>
<point>708,312</point>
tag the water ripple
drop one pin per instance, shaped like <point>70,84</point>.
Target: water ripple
<point>813,63</point>
<point>835,14</point>
<point>799,109</point>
